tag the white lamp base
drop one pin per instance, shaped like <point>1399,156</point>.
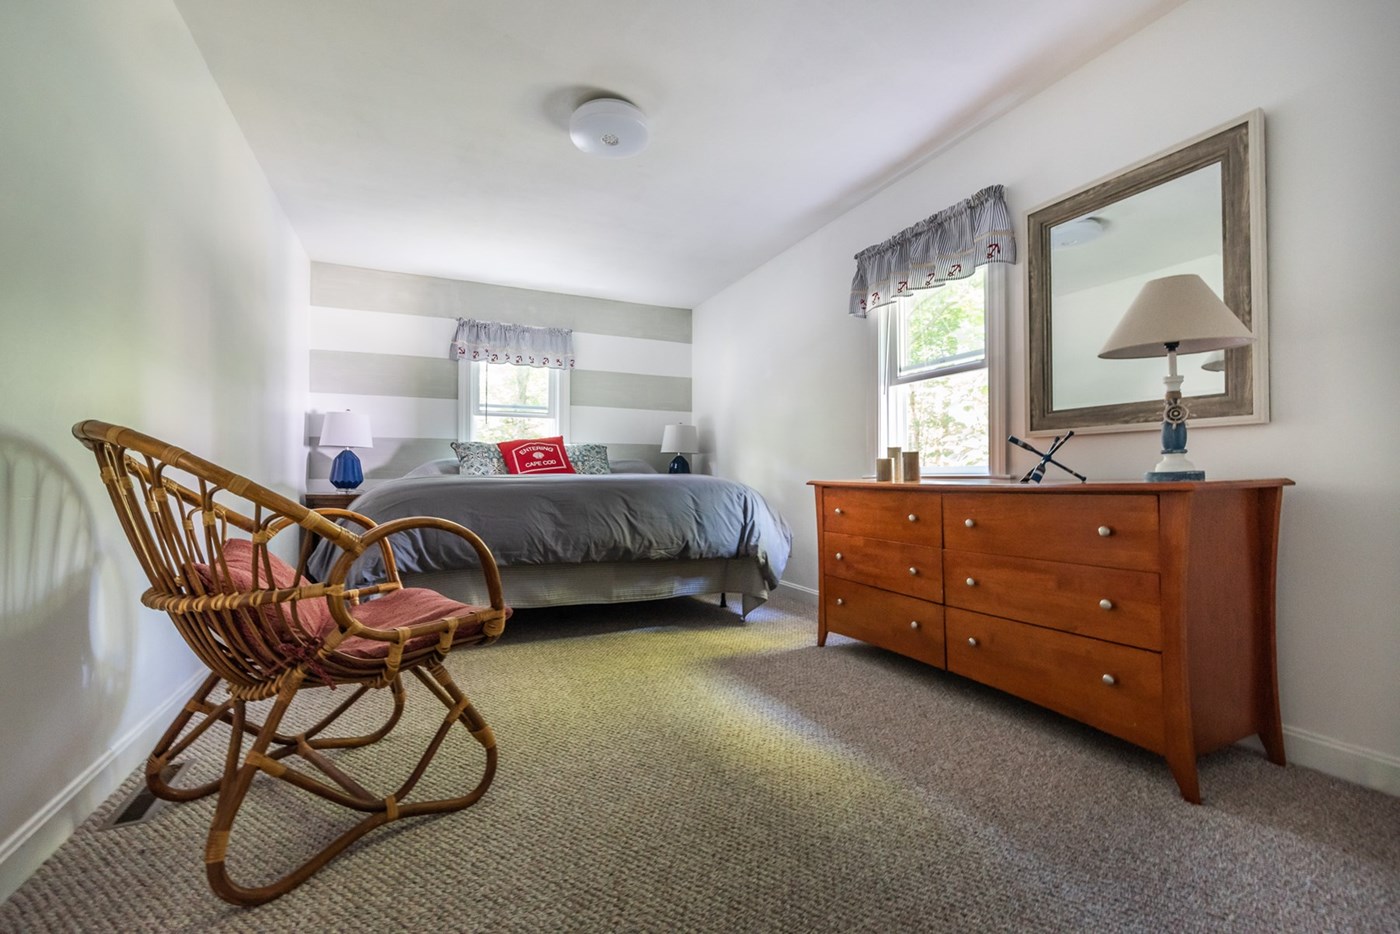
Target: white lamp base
<point>1175,466</point>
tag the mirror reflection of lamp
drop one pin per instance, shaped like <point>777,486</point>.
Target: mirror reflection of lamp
<point>346,430</point>
<point>1171,315</point>
<point>1214,363</point>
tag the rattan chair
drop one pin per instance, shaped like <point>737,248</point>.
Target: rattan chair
<point>266,632</point>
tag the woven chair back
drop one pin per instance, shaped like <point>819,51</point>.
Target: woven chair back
<point>194,526</point>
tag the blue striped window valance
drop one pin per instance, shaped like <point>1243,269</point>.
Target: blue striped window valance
<point>949,245</point>
<point>519,344</point>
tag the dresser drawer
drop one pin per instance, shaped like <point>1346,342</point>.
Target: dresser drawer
<point>916,570</point>
<point>1107,603</point>
<point>890,513</point>
<point>1067,673</point>
<point>892,621</point>
<point>1118,531</point>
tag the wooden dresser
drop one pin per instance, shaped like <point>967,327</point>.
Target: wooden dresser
<point>1143,609</point>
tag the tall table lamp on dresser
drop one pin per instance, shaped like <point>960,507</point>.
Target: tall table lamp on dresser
<point>346,430</point>
<point>1172,315</point>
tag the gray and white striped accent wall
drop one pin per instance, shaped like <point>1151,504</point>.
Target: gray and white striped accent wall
<point>379,346</point>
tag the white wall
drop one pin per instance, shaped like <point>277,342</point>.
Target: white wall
<point>148,278</point>
<point>1325,75</point>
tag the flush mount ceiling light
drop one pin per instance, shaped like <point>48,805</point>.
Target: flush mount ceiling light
<point>1077,232</point>
<point>609,127</point>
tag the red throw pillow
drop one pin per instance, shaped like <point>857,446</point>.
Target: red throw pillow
<point>536,455</point>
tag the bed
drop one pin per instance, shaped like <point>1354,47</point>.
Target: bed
<point>564,539</point>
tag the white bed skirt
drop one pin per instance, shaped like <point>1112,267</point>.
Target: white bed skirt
<point>527,585</point>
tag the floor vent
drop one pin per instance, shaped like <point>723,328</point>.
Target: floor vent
<point>142,805</point>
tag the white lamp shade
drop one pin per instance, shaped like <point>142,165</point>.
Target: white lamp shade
<point>609,127</point>
<point>346,430</point>
<point>1179,310</point>
<point>680,439</point>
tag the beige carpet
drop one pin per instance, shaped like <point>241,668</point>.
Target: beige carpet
<point>665,767</point>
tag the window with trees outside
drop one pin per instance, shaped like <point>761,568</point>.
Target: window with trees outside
<point>940,374</point>
<point>502,401</point>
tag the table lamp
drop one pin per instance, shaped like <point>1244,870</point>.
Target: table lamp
<point>682,440</point>
<point>1171,315</point>
<point>346,430</point>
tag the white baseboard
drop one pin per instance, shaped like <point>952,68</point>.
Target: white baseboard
<point>1347,761</point>
<point>37,838</point>
<point>806,591</point>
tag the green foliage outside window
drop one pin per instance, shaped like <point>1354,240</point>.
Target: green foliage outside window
<point>943,416</point>
<point>947,419</point>
<point>514,403</point>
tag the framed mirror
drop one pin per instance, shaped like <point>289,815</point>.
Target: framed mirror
<point>1196,209</point>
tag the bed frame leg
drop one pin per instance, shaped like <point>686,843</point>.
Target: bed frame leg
<point>723,600</point>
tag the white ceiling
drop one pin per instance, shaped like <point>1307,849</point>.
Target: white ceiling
<point>431,136</point>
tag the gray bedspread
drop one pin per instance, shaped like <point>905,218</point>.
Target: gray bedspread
<point>572,519</point>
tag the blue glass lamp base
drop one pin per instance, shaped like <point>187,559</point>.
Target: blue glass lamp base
<point>679,465</point>
<point>345,471</point>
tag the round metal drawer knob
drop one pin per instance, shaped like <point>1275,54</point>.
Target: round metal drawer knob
<point>913,570</point>
<point>838,511</point>
<point>913,624</point>
<point>838,556</point>
<point>840,602</point>
<point>1103,604</point>
<point>1105,531</point>
<point>912,518</point>
<point>972,641</point>
<point>969,522</point>
<point>1110,680</point>
<point>972,582</point>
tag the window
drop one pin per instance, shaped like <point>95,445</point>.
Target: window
<point>940,374</point>
<point>502,401</point>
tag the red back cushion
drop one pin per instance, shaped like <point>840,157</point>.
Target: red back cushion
<point>314,615</point>
<point>536,455</point>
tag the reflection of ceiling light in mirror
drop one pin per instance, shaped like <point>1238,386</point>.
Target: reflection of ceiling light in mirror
<point>1214,361</point>
<point>1077,232</point>
<point>609,127</point>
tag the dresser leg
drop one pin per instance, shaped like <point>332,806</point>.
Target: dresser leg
<point>1272,738</point>
<point>1184,771</point>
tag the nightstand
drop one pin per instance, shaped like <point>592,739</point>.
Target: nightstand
<point>330,500</point>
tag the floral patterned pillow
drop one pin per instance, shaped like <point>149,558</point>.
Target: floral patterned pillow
<point>588,458</point>
<point>479,459</point>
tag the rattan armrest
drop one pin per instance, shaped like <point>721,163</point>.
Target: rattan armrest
<point>380,534</point>
<point>170,603</point>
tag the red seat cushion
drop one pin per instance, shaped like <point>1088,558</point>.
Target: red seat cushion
<point>408,607</point>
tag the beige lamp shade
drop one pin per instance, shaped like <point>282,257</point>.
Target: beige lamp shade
<point>680,439</point>
<point>346,430</point>
<point>1179,310</point>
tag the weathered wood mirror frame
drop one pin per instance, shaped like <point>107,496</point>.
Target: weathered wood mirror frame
<point>1238,148</point>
